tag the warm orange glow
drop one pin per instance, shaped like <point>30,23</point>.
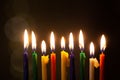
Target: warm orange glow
<point>33,40</point>
<point>92,48</point>
<point>52,41</point>
<point>43,47</point>
<point>103,43</point>
<point>63,42</point>
<point>81,40</point>
<point>26,42</point>
<point>71,41</point>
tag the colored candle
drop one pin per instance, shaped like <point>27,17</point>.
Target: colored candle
<point>92,62</point>
<point>72,66</point>
<point>44,61</point>
<point>102,57</point>
<point>64,60</point>
<point>25,65</point>
<point>72,58</point>
<point>82,65</point>
<point>34,57</point>
<point>25,55</point>
<point>53,66</point>
<point>53,57</point>
<point>82,56</point>
<point>35,73</point>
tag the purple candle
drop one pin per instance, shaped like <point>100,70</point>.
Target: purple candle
<point>72,58</point>
<point>72,67</point>
<point>25,55</point>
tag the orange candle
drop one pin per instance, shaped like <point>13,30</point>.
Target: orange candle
<point>102,57</point>
<point>53,57</point>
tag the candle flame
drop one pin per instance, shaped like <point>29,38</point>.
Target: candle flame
<point>92,48</point>
<point>102,43</point>
<point>52,41</point>
<point>33,40</point>
<point>63,42</point>
<point>26,42</point>
<point>81,40</point>
<point>43,47</point>
<point>71,41</point>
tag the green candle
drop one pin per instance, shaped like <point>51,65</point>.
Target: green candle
<point>82,65</point>
<point>82,56</point>
<point>34,57</point>
<point>34,62</point>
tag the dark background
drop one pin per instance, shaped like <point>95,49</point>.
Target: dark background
<point>94,17</point>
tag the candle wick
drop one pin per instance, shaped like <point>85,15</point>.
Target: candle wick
<point>71,51</point>
<point>44,53</point>
<point>25,49</point>
<point>102,50</point>
<point>92,56</point>
<point>63,48</point>
<point>52,50</point>
<point>33,50</point>
<point>82,49</point>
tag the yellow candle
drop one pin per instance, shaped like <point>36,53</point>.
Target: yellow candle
<point>64,64</point>
<point>64,60</point>
<point>44,61</point>
<point>93,62</point>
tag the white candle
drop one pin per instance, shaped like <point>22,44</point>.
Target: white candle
<point>92,62</point>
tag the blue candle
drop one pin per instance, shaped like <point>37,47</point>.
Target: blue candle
<point>25,55</point>
<point>72,58</point>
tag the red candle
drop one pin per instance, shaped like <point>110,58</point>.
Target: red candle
<point>53,66</point>
<point>102,56</point>
<point>53,57</point>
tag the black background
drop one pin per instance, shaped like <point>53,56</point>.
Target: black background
<point>61,16</point>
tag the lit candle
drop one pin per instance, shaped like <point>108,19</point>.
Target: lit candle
<point>64,60</point>
<point>53,57</point>
<point>92,62</point>
<point>34,57</point>
<point>102,56</point>
<point>25,55</point>
<point>72,58</point>
<point>44,61</point>
<point>82,56</point>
